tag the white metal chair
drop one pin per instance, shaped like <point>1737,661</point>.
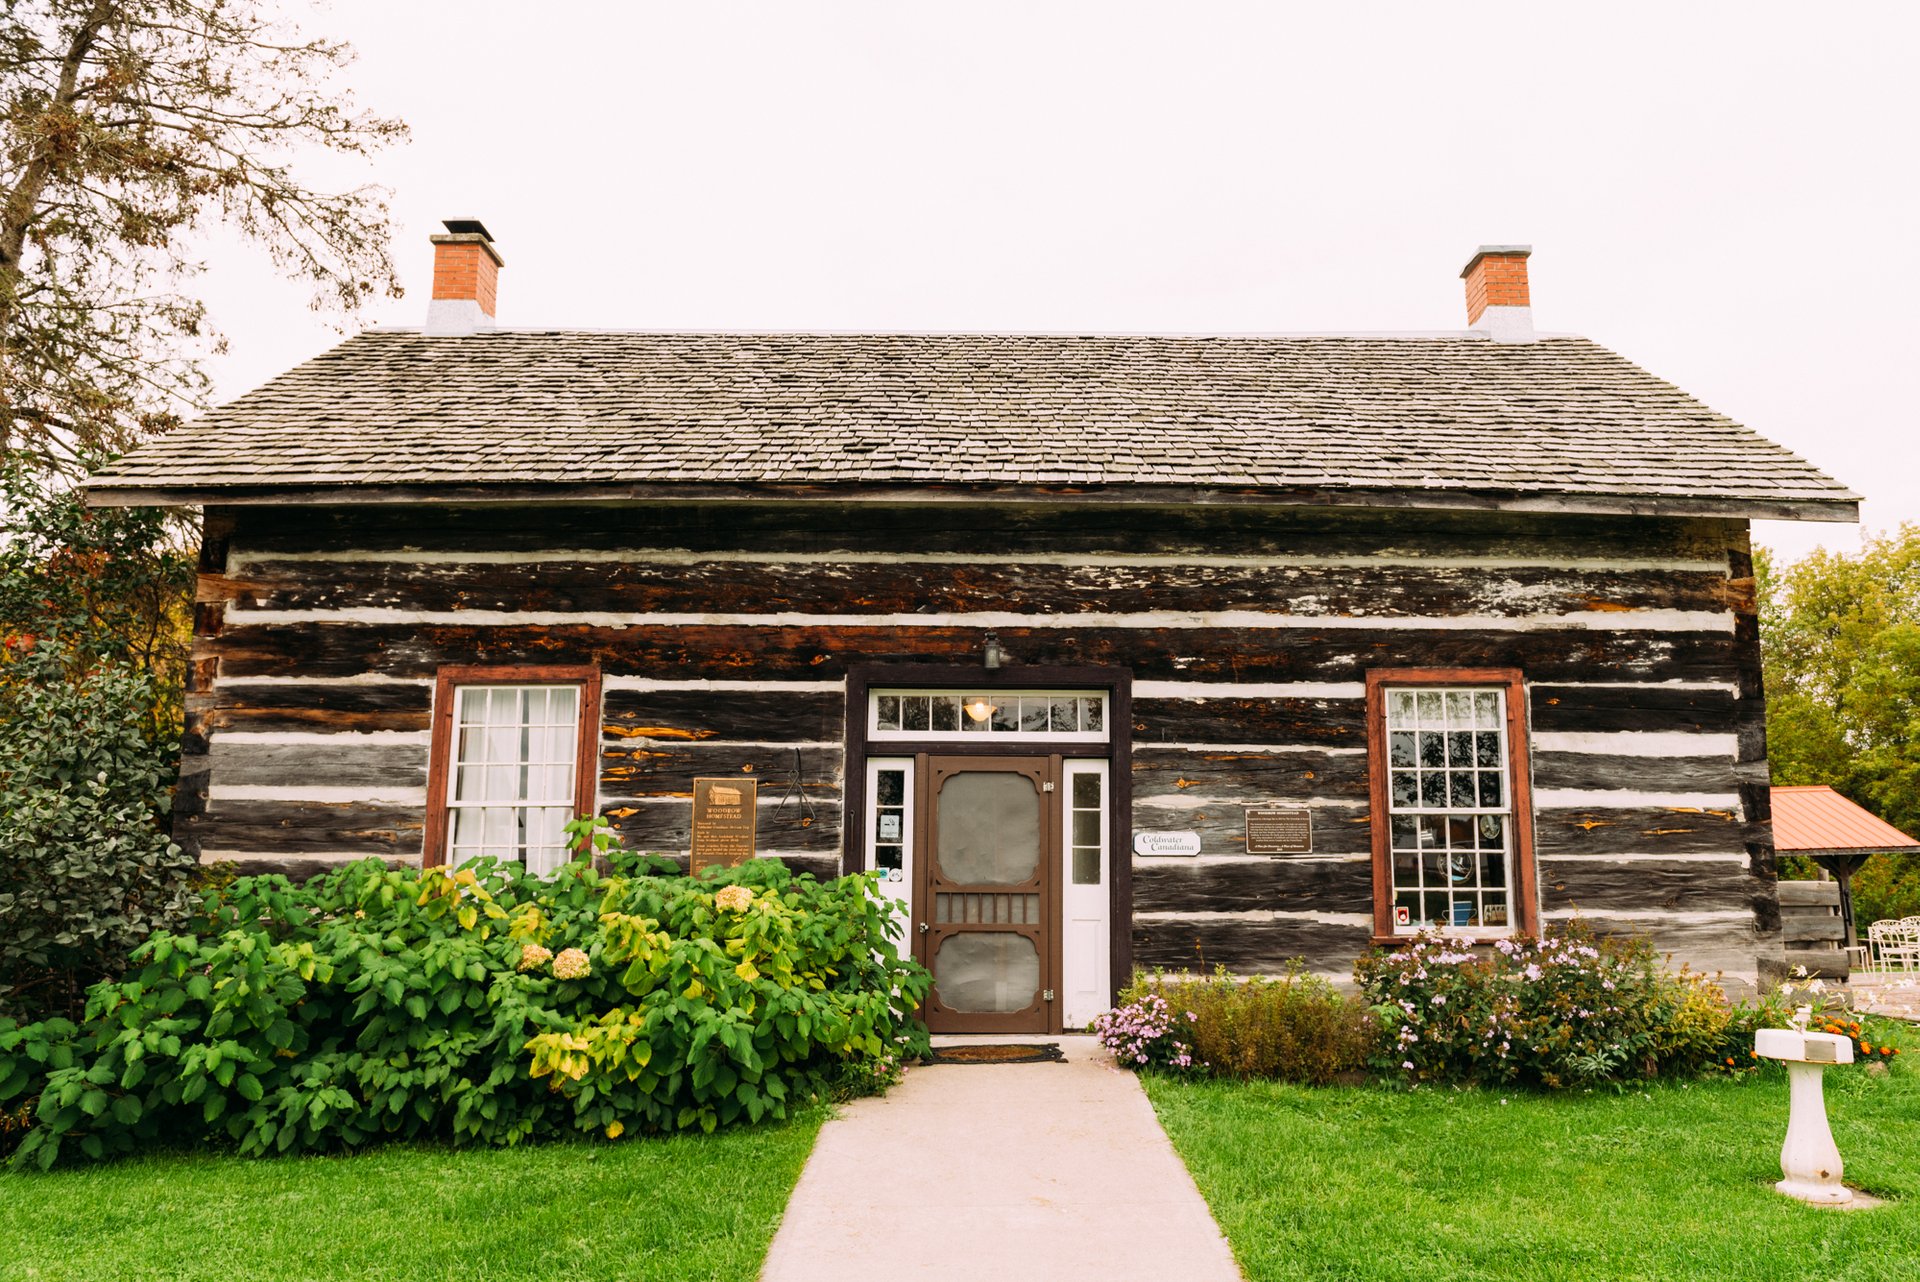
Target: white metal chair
<point>1895,944</point>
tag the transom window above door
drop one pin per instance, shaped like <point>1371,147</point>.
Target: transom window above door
<point>1059,716</point>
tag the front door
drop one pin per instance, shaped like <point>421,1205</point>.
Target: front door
<point>985,900</point>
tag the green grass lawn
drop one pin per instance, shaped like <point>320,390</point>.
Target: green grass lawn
<point>693,1207</point>
<point>1672,1183</point>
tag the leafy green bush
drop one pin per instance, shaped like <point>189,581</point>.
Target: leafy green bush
<point>1884,887</point>
<point>1296,1028</point>
<point>86,869</point>
<point>1567,1010</point>
<point>481,1005</point>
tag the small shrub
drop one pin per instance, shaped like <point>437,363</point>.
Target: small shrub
<point>1295,1028</point>
<point>1567,1010</point>
<point>479,1005</point>
<point>1142,1032</point>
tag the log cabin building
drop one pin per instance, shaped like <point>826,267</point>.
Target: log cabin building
<point>1106,651</point>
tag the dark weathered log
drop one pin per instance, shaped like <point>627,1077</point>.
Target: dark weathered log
<point>638,769</point>
<point>640,586</point>
<point>1634,708</point>
<point>1289,883</point>
<point>1254,947</point>
<point>1707,946</point>
<point>1820,963</point>
<point>1810,894</point>
<point>1253,777</point>
<point>1639,830</point>
<point>773,526</point>
<point>319,765</point>
<point>1643,885</point>
<point>822,653</point>
<point>314,706</point>
<point>773,716</point>
<point>667,827</point>
<point>1332,723</point>
<point>294,867</point>
<point>1800,928</point>
<point>1583,770</point>
<point>302,826</point>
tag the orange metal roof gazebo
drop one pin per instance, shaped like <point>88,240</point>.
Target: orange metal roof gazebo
<point>1815,821</point>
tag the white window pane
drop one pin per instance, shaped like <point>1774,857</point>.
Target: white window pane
<point>473,744</point>
<point>467,783</point>
<point>558,785</point>
<point>467,826</point>
<point>473,705</point>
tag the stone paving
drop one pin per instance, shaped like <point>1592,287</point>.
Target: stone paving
<point>1894,994</point>
<point>986,1172</point>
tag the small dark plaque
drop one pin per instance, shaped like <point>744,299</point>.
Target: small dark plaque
<point>1279,830</point>
<point>724,812</point>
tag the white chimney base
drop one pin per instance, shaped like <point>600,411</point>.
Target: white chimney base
<point>451,317</point>
<point>1507,324</point>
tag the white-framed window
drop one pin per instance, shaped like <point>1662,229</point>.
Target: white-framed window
<point>1453,844</point>
<point>1085,893</point>
<point>514,757</point>
<point>889,836</point>
<point>1059,716</point>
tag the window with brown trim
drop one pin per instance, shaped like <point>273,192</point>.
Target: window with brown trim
<point>514,757</point>
<point>1452,812</point>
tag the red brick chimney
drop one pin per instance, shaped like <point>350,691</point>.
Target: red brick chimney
<point>466,274</point>
<point>1497,299</point>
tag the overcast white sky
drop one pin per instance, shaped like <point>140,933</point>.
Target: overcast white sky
<point>1724,193</point>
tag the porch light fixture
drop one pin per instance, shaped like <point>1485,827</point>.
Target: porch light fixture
<point>978,708</point>
<point>994,655</point>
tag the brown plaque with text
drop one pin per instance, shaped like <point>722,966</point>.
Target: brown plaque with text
<point>724,811</point>
<point>1279,830</point>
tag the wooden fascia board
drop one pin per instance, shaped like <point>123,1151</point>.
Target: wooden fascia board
<point>1837,509</point>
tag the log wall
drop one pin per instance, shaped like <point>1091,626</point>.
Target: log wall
<point>725,634</point>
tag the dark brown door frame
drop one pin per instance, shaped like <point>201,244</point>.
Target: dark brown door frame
<point>1117,752</point>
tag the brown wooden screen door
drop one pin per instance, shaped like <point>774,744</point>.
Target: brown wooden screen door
<point>985,902</point>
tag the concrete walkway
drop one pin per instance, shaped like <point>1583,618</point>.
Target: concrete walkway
<point>995,1172</point>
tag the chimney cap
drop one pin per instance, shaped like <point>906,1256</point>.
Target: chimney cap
<point>1498,251</point>
<point>468,231</point>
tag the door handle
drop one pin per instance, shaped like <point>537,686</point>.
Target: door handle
<point>923,928</point>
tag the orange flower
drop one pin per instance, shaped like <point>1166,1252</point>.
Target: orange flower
<point>1866,1048</point>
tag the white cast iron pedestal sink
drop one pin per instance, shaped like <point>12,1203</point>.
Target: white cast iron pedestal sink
<point>1809,1159</point>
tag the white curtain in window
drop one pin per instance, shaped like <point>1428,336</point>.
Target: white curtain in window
<point>513,773</point>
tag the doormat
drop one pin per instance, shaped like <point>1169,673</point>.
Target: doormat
<point>1029,1053</point>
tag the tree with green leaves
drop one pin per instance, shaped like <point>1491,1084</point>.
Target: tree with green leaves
<point>129,127</point>
<point>128,130</point>
<point>1840,641</point>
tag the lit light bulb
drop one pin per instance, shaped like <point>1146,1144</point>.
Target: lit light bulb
<point>978,709</point>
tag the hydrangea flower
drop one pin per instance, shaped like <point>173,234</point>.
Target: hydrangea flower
<point>533,956</point>
<point>735,899</point>
<point>571,964</point>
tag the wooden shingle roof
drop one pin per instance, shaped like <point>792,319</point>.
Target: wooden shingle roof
<point>1448,420</point>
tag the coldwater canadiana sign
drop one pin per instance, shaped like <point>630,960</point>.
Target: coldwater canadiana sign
<point>724,813</point>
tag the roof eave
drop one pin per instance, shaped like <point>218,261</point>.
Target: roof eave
<point>1842,508</point>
